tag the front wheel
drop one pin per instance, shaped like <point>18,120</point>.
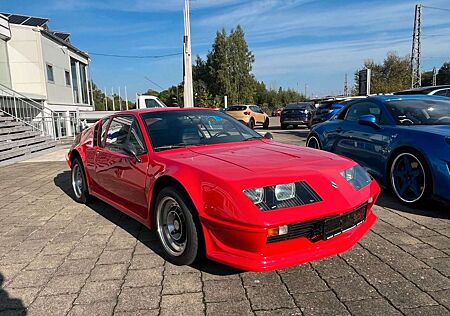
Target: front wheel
<point>266,123</point>
<point>284,126</point>
<point>409,178</point>
<point>176,227</point>
<point>79,184</point>
<point>251,123</point>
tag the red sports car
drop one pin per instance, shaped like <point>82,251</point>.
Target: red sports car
<point>207,184</point>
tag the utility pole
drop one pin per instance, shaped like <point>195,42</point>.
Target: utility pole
<point>345,86</point>
<point>120,101</point>
<point>416,75</point>
<point>187,60</point>
<point>126,97</point>
<point>106,101</point>
<point>434,76</point>
<point>306,90</point>
<point>114,102</point>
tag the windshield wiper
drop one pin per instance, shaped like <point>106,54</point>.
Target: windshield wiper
<point>253,138</point>
<point>173,146</point>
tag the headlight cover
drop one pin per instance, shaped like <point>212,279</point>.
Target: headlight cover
<point>357,177</point>
<point>282,196</point>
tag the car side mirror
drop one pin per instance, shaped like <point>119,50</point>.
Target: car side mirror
<point>131,153</point>
<point>368,120</point>
<point>268,135</point>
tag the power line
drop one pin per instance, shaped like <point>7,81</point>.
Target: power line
<point>147,78</point>
<point>136,56</point>
<point>436,8</point>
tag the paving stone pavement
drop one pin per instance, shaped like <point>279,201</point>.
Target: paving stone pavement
<point>62,258</point>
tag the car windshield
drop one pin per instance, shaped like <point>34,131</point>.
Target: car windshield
<point>420,111</point>
<point>176,129</point>
<point>237,108</point>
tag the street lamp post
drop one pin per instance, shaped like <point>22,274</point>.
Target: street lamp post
<point>187,60</point>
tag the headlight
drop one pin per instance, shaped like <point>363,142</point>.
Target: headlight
<point>285,192</point>
<point>357,177</point>
<point>255,195</point>
<point>282,196</point>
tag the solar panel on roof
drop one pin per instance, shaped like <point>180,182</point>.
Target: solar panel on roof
<point>17,19</point>
<point>62,35</point>
<point>35,22</point>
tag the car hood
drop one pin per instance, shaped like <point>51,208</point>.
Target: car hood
<point>263,157</point>
<point>443,130</point>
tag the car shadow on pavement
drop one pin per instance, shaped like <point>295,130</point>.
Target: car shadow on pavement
<point>147,237</point>
<point>435,209</point>
<point>9,305</point>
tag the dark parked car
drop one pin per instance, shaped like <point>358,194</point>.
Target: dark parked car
<point>296,114</point>
<point>443,91</point>
<point>327,109</point>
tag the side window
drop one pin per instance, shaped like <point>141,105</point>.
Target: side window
<point>365,108</point>
<point>150,103</point>
<point>103,131</point>
<point>124,132</point>
<point>441,93</point>
<point>254,108</point>
<point>95,136</point>
<point>135,140</point>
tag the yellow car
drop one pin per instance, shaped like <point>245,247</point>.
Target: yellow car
<point>249,115</point>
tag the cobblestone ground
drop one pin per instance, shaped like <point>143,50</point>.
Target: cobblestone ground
<point>62,258</point>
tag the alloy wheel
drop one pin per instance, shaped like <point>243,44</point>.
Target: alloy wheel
<point>408,178</point>
<point>172,226</point>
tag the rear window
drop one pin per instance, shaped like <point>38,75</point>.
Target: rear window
<point>296,106</point>
<point>237,108</point>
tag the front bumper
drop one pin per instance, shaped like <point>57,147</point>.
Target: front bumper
<point>248,247</point>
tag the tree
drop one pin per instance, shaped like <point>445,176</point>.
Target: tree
<point>443,75</point>
<point>393,74</point>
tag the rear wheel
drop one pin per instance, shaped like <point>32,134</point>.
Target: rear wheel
<point>176,227</point>
<point>79,184</point>
<point>284,126</point>
<point>266,123</point>
<point>295,126</point>
<point>313,142</point>
<point>409,178</point>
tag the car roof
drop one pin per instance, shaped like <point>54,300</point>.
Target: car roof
<point>165,109</point>
<point>385,98</point>
<point>423,89</point>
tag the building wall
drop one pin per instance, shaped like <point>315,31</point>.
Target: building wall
<point>57,56</point>
<point>25,62</point>
<point>5,35</point>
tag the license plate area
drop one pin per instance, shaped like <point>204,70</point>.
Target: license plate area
<point>340,224</point>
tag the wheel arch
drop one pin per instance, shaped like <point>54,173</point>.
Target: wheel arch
<point>167,181</point>
<point>163,182</point>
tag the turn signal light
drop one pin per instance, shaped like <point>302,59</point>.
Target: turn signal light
<point>277,231</point>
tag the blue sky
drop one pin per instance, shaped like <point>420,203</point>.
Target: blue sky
<point>295,42</point>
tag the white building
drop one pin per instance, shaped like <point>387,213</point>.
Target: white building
<point>42,64</point>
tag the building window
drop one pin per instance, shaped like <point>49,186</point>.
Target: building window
<point>84,84</point>
<point>50,76</point>
<point>73,70</point>
<point>67,75</point>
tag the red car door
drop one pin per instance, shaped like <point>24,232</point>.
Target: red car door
<point>121,165</point>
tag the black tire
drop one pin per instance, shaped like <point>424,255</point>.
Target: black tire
<point>284,126</point>
<point>295,126</point>
<point>418,165</point>
<point>266,123</point>
<point>251,123</point>
<point>313,141</point>
<point>79,183</point>
<point>189,236</point>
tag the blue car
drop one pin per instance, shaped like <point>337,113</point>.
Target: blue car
<point>403,141</point>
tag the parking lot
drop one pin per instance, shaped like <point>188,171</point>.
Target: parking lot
<point>62,258</point>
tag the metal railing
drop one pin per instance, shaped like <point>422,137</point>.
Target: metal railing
<point>49,123</point>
